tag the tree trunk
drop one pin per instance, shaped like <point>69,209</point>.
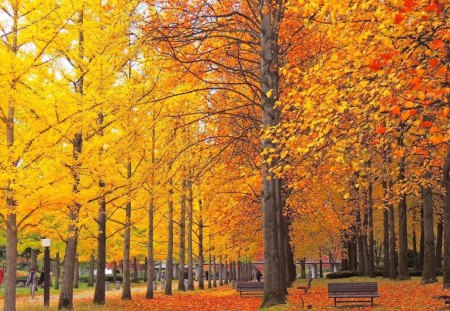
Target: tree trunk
<point>91,271</point>
<point>126,290</point>
<point>189,236</point>
<point>274,293</point>
<point>57,271</point>
<point>303,268</point>
<point>386,253</point>
<point>201,258</point>
<point>145,269</point>
<point>414,243</point>
<point>226,272</point>
<point>34,255</point>
<point>115,271</point>
<point>169,263</point>
<point>99,294</point>
<point>214,272</point>
<point>151,262</point>
<point>439,238</point>
<point>370,238</point>
<point>446,217</point>
<point>403,273</point>
<point>429,261</point>
<point>209,272</point>
<point>392,254</point>
<point>76,274</point>
<point>66,294</point>
<point>182,238</point>
<point>136,272</point>
<point>422,242</point>
<point>220,271</point>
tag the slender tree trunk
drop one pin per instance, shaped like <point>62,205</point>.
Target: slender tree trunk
<point>446,217</point>
<point>429,263</point>
<point>135,268</point>
<point>182,238</point>
<point>422,241</point>
<point>214,272</point>
<point>392,254</point>
<point>169,263</point>
<point>220,271</point>
<point>99,294</point>
<point>209,271</point>
<point>370,238</point>
<point>189,236</point>
<point>151,262</point>
<point>201,258</point>
<point>403,273</point>
<point>91,271</point>
<point>126,289</point>
<point>11,218</point>
<point>386,257</point>
<point>160,271</point>
<point>57,271</point>
<point>115,271</point>
<point>414,243</point>
<point>303,268</point>
<point>226,272</point>
<point>439,239</point>
<point>66,294</point>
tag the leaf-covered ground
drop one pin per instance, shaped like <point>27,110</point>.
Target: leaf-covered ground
<point>405,295</point>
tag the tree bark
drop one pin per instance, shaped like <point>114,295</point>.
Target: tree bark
<point>66,294</point>
<point>422,242</point>
<point>370,238</point>
<point>126,289</point>
<point>446,219</point>
<point>115,271</point>
<point>76,274</point>
<point>169,263</point>
<point>91,271</point>
<point>99,294</point>
<point>403,273</point>
<point>429,260</point>
<point>201,258</point>
<point>57,270</point>
<point>189,236</point>
<point>209,271</point>
<point>386,257</point>
<point>220,271</point>
<point>181,286</point>
<point>274,293</point>
<point>151,262</point>
<point>392,254</point>
<point>214,272</point>
<point>136,272</point>
<point>439,239</point>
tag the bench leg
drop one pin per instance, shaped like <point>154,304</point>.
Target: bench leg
<point>372,301</point>
<point>335,302</point>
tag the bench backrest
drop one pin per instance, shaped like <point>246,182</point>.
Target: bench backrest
<point>249,285</point>
<point>358,287</point>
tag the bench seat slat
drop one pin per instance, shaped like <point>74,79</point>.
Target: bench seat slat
<point>356,290</point>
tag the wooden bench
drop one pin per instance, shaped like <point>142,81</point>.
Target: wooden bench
<point>306,288</point>
<point>445,298</point>
<point>250,288</point>
<point>353,290</point>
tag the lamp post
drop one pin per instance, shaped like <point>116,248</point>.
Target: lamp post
<point>46,243</point>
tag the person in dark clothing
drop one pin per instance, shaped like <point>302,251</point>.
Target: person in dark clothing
<point>41,278</point>
<point>258,275</point>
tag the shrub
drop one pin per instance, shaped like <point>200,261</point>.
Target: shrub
<point>341,275</point>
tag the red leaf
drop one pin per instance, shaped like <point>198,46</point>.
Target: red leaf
<point>426,124</point>
<point>396,110</point>
<point>399,18</point>
<point>375,65</point>
<point>381,130</point>
<point>434,62</point>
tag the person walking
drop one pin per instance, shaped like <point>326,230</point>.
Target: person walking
<point>32,282</point>
<point>41,278</point>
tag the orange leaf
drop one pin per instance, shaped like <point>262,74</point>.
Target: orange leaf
<point>375,65</point>
<point>381,130</point>
<point>446,111</point>
<point>387,56</point>
<point>399,18</point>
<point>396,110</point>
<point>426,124</point>
<point>437,139</point>
<point>437,44</point>
<point>409,3</point>
<point>434,62</point>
